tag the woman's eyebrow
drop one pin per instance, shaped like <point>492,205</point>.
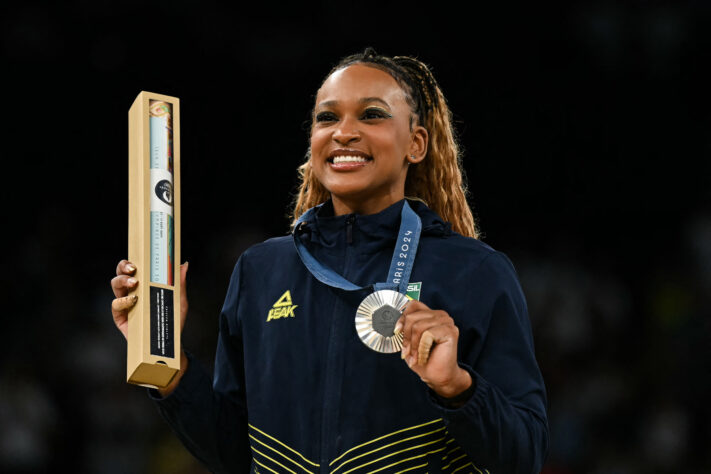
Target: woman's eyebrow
<point>364,100</point>
<point>374,99</point>
<point>327,103</point>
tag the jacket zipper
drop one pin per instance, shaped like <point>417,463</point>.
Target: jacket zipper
<point>349,231</point>
<point>334,363</point>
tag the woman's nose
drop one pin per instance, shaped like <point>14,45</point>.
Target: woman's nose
<point>346,132</point>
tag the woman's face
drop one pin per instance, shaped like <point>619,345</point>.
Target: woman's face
<point>361,139</point>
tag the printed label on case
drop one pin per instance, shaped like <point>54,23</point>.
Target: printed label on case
<point>162,322</point>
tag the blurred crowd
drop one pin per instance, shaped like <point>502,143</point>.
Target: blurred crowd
<point>625,357</point>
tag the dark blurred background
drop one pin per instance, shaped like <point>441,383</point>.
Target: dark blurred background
<point>585,130</point>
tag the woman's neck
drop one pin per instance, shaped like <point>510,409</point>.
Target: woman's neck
<point>365,207</point>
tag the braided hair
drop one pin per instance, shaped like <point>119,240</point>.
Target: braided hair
<point>438,180</point>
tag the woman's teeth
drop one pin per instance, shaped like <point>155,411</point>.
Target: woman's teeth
<point>349,159</point>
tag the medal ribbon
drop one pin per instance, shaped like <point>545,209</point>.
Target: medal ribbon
<point>400,267</point>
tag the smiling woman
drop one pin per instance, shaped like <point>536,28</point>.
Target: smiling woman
<point>382,258</point>
<point>401,89</point>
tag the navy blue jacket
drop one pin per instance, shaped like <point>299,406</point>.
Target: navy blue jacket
<point>295,390</point>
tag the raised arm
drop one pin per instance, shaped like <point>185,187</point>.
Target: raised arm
<point>499,418</point>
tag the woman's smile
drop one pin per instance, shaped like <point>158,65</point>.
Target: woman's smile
<point>348,160</point>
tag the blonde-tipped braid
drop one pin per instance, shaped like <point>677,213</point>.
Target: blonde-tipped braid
<point>437,180</point>
<point>311,191</point>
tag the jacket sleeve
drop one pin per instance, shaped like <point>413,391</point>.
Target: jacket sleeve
<point>503,425</point>
<point>210,417</point>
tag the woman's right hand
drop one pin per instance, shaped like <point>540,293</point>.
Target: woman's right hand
<point>125,282</point>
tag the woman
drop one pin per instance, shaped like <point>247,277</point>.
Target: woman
<point>295,388</point>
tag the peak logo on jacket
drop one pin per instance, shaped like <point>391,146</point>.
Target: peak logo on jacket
<point>283,307</point>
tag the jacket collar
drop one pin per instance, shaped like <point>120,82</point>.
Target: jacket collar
<point>371,231</point>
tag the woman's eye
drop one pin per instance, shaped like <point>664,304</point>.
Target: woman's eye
<point>326,117</point>
<point>371,114</point>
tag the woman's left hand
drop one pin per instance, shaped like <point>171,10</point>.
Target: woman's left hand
<point>430,349</point>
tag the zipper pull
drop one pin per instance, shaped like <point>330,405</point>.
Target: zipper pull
<point>349,230</point>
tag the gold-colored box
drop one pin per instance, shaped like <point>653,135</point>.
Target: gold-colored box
<point>153,356</point>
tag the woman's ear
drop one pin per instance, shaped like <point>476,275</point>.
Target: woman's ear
<point>418,144</point>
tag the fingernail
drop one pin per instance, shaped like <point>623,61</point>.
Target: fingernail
<point>135,297</point>
<point>398,328</point>
<point>410,361</point>
<point>403,353</point>
<point>131,281</point>
<point>130,267</point>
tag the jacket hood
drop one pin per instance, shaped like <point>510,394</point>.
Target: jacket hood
<point>372,231</point>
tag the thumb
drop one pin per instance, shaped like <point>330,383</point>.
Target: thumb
<point>414,305</point>
<point>183,279</point>
<point>183,294</point>
<point>183,274</point>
